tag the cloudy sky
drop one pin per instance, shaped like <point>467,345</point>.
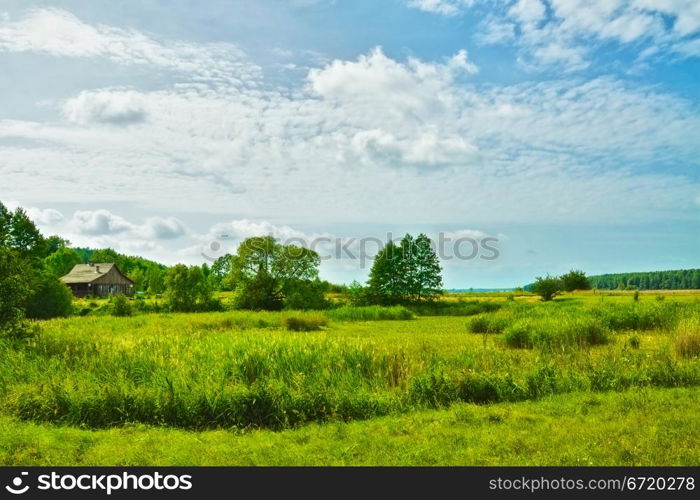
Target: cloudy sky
<point>569,130</point>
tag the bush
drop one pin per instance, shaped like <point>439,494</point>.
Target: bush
<point>14,291</point>
<point>547,287</point>
<point>488,324</point>
<point>50,298</point>
<point>306,295</point>
<point>370,313</point>
<point>251,297</point>
<point>121,306</point>
<point>556,331</point>
<point>305,323</point>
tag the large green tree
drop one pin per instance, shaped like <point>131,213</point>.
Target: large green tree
<point>187,289</point>
<point>266,272</point>
<point>408,272</point>
<point>14,292</point>
<point>25,238</point>
<point>386,282</point>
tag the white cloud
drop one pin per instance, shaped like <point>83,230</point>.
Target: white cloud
<point>528,11</point>
<point>57,32</point>
<point>415,140</point>
<point>163,228</point>
<point>442,7</point>
<point>104,223</point>
<point>563,33</point>
<point>99,223</point>
<point>108,107</point>
<point>45,217</point>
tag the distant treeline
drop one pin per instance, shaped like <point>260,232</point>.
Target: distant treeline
<point>684,279</point>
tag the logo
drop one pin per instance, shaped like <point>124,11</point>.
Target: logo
<point>17,483</point>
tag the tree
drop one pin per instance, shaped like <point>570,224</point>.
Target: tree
<point>5,225</point>
<point>138,276</point>
<point>24,235</point>
<point>221,273</point>
<point>106,256</point>
<point>385,284</point>
<point>62,261</point>
<point>54,243</point>
<point>425,279</point>
<point>49,297</point>
<point>155,280</point>
<point>14,291</point>
<point>410,272</point>
<point>266,272</point>
<point>575,280</point>
<point>547,287</point>
<point>188,290</point>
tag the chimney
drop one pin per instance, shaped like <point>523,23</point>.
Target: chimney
<point>97,269</point>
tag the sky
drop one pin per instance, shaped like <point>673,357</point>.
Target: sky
<point>529,136</point>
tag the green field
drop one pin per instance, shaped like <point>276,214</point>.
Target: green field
<point>588,379</point>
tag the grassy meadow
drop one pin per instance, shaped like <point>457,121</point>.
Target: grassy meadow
<point>489,379</point>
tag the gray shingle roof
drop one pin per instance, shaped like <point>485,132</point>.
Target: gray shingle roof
<point>86,273</point>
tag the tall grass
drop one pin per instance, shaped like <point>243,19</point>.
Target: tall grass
<point>687,337</point>
<point>459,308</point>
<point>370,313</point>
<point>244,369</point>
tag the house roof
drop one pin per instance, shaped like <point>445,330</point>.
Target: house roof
<point>87,273</point>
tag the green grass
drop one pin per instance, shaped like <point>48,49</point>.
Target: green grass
<point>234,372</point>
<point>649,427</point>
<point>370,313</point>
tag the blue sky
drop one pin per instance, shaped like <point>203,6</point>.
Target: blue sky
<point>566,129</point>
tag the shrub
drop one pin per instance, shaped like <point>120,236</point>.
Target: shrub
<point>634,342</point>
<point>121,306</point>
<point>547,287</point>
<point>50,298</point>
<point>488,324</point>
<point>14,291</point>
<point>575,280</point>
<point>556,331</point>
<point>306,295</point>
<point>305,323</point>
<point>635,297</point>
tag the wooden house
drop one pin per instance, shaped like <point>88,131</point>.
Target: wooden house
<point>99,280</point>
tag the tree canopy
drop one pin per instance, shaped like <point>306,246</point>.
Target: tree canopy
<point>266,272</point>
<point>408,272</point>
